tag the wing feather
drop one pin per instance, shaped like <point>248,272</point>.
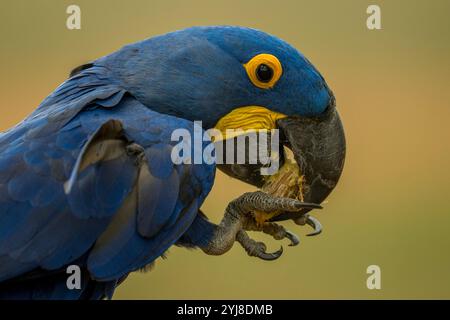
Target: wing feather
<point>70,187</point>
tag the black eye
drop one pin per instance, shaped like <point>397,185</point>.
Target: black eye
<point>264,73</point>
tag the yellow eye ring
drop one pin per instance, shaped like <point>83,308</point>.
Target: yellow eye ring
<point>264,70</point>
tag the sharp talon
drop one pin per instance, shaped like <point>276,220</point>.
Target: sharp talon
<point>293,237</point>
<point>313,222</point>
<point>308,205</point>
<point>270,256</point>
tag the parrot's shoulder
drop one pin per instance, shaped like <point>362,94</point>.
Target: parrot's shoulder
<point>65,120</point>
<point>94,166</point>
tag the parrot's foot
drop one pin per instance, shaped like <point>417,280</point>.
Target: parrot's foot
<point>238,218</point>
<point>277,231</point>
<point>256,249</point>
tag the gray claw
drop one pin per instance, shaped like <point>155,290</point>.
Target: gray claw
<point>293,237</point>
<point>270,256</point>
<point>308,205</point>
<point>313,222</point>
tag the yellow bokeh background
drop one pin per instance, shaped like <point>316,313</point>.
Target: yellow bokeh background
<point>392,206</point>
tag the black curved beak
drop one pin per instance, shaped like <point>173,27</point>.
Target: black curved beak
<point>318,145</point>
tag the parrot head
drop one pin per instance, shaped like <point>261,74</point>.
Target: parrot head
<point>240,78</point>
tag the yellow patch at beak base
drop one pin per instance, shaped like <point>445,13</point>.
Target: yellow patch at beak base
<point>250,118</point>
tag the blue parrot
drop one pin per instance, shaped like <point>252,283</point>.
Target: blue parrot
<point>88,178</point>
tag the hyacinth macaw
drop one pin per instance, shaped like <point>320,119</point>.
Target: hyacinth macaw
<point>88,180</point>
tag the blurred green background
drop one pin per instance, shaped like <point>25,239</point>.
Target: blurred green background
<point>392,205</point>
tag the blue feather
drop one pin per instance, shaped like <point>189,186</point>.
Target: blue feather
<point>47,228</point>
<point>64,199</point>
